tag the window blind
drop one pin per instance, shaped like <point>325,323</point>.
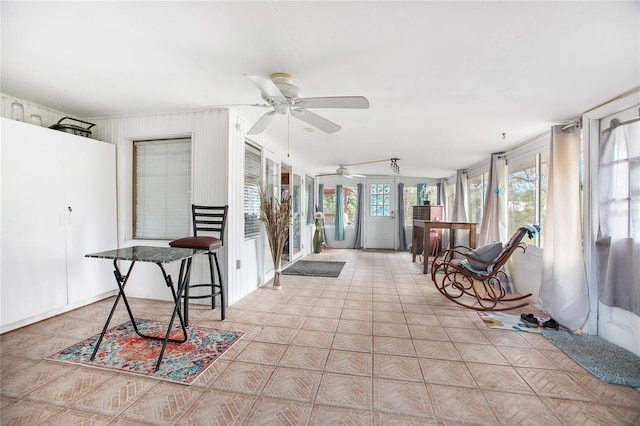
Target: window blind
<point>252,174</point>
<point>162,188</point>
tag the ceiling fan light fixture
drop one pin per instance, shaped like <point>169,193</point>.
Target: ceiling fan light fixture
<point>394,165</point>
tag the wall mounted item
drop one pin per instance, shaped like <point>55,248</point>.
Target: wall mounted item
<point>72,128</point>
<point>17,111</point>
<point>36,120</point>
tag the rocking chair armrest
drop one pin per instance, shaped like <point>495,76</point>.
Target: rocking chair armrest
<point>448,255</point>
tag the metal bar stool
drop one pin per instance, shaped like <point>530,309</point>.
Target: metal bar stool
<point>212,220</point>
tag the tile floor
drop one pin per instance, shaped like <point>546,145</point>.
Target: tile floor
<point>376,346</point>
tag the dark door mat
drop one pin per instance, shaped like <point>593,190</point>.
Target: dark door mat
<point>310,268</point>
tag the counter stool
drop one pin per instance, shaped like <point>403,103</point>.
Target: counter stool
<point>209,219</point>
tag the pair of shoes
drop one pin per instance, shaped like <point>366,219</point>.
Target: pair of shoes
<point>529,319</point>
<point>551,323</point>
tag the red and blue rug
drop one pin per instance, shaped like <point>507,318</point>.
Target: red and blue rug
<point>124,351</point>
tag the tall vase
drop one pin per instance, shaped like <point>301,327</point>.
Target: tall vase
<point>276,281</point>
<point>317,241</point>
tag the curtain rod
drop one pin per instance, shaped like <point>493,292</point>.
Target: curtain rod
<point>616,123</point>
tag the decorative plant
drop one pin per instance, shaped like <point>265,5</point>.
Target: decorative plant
<point>317,235</point>
<point>424,194</point>
<point>276,215</point>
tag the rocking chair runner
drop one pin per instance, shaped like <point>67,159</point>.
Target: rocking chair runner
<point>472,288</point>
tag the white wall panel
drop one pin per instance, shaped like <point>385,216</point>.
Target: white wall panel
<point>210,178</point>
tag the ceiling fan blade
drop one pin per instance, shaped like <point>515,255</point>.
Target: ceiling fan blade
<point>316,121</point>
<point>359,102</point>
<point>262,123</point>
<point>270,91</point>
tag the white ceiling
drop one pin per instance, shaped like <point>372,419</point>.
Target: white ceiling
<point>444,79</point>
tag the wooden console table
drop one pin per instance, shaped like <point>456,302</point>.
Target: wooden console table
<point>428,225</point>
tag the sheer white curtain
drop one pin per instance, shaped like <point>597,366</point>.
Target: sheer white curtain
<point>459,210</point>
<point>618,244</point>
<point>495,207</point>
<point>563,291</point>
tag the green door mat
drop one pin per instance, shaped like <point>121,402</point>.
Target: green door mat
<point>608,362</point>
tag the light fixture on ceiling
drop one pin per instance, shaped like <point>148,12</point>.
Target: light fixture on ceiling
<point>394,165</point>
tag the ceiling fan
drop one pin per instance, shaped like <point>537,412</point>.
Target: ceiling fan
<point>284,97</point>
<point>342,170</point>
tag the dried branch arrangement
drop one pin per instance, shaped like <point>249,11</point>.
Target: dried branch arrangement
<point>276,215</point>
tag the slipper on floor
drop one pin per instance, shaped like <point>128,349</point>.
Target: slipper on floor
<point>529,319</point>
<point>551,323</point>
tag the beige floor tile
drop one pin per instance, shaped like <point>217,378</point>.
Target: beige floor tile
<point>348,391</point>
<point>66,389</point>
<point>444,372</point>
<point>266,410</point>
<point>520,409</point>
<point>219,408</point>
<point>353,342</point>
<point>243,377</point>
<point>397,397</point>
<point>391,329</point>
<point>378,345</point>
<point>455,405</point>
<point>318,339</point>
<point>428,332</point>
<point>23,412</point>
<point>75,417</point>
<point>115,395</point>
<point>581,412</point>
<point>305,357</point>
<point>393,346</point>
<point>348,362</point>
<point>472,352</point>
<point>272,334</point>
<point>262,353</point>
<point>293,383</point>
<point>324,415</point>
<point>436,349</point>
<point>554,384</point>
<point>498,378</point>
<point>355,327</point>
<point>526,357</point>
<point>164,404</point>
<point>27,375</point>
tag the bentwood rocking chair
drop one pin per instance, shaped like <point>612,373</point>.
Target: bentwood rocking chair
<point>476,279</point>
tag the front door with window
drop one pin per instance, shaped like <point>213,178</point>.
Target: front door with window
<point>380,204</point>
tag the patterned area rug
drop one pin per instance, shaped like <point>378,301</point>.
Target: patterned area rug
<point>506,322</point>
<point>310,268</point>
<point>124,351</point>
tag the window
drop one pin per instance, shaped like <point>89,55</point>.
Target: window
<point>410,195</point>
<point>477,187</point>
<point>527,192</point>
<point>329,205</point>
<point>450,193</point>
<point>349,201</point>
<point>161,188</point>
<point>252,173</point>
<point>309,199</point>
<point>379,199</point>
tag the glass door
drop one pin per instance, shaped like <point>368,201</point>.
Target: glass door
<point>296,216</point>
<point>271,187</point>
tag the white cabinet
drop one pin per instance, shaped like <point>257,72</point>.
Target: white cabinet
<point>58,203</point>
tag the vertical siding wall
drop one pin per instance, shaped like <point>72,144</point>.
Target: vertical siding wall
<point>218,140</point>
<point>48,115</point>
<point>213,178</point>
